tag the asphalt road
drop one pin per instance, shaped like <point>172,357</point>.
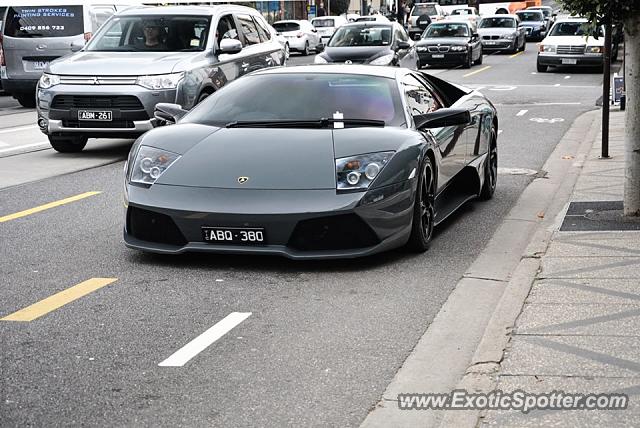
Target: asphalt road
<point>323,339</point>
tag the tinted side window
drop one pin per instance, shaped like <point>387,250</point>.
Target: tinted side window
<point>419,98</point>
<point>263,31</point>
<point>37,21</point>
<point>248,28</point>
<point>226,29</point>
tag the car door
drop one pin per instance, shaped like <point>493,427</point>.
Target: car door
<point>224,67</point>
<point>254,56</point>
<point>273,52</point>
<point>450,140</point>
<point>475,43</point>
<point>405,57</point>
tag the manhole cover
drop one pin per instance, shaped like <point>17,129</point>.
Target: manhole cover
<point>597,216</point>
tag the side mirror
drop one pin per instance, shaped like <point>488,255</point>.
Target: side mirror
<point>168,114</point>
<point>443,117</point>
<point>403,45</point>
<point>319,47</point>
<point>230,46</point>
<point>476,35</point>
<point>76,46</point>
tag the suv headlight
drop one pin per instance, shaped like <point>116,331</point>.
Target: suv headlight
<point>150,164</point>
<point>48,80</point>
<point>357,172</point>
<point>160,81</point>
<point>594,49</point>
<point>383,60</point>
<point>319,60</point>
<point>547,48</point>
<point>458,48</point>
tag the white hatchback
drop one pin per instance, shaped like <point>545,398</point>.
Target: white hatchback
<point>327,25</point>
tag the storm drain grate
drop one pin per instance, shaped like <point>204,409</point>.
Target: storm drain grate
<point>597,216</point>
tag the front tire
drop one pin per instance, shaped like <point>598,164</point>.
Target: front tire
<point>469,62</point>
<point>490,169</point>
<point>424,209</point>
<point>305,52</point>
<point>541,68</point>
<point>26,100</point>
<point>67,144</point>
<point>479,60</point>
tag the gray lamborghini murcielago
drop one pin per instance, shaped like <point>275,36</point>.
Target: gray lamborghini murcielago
<point>322,161</point>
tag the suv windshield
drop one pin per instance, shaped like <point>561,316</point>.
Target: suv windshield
<point>152,33</point>
<point>462,12</point>
<point>310,96</point>
<point>323,23</point>
<point>446,30</point>
<point>573,29</point>
<point>424,9</point>
<point>283,27</point>
<point>530,16</point>
<point>39,21</point>
<point>498,23</point>
<point>361,36</point>
<point>546,12</point>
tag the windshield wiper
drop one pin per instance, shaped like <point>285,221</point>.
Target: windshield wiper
<point>320,123</point>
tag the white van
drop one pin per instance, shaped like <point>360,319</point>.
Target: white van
<point>327,25</point>
<point>34,34</point>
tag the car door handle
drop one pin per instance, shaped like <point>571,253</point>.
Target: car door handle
<point>244,65</point>
<point>268,59</point>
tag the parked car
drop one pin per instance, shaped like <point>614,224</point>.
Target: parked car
<point>300,34</point>
<point>421,15</point>
<point>450,43</point>
<point>370,43</point>
<point>466,13</point>
<point>547,11</point>
<point>502,32</point>
<point>354,161</point>
<point>33,36</point>
<point>534,24</point>
<point>569,42</point>
<point>144,56</point>
<point>327,25</point>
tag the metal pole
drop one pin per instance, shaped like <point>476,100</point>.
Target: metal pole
<point>606,87</point>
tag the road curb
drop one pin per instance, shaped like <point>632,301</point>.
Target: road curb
<point>464,343</point>
<point>481,375</point>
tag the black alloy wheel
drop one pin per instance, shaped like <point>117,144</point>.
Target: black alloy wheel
<point>305,52</point>
<point>424,209</point>
<point>469,61</point>
<point>490,169</point>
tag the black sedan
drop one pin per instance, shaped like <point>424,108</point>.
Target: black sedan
<point>311,162</point>
<point>534,24</point>
<point>375,43</point>
<point>450,44</point>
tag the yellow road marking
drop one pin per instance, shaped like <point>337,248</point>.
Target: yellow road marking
<point>46,206</point>
<point>58,300</point>
<point>477,71</point>
<point>515,55</point>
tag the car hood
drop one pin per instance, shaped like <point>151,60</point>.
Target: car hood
<point>445,41</point>
<point>341,54</point>
<point>275,159</point>
<point>495,31</point>
<point>573,41</point>
<point>119,63</point>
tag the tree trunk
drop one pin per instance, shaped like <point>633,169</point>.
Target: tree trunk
<point>632,117</point>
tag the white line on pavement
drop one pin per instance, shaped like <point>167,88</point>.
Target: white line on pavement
<point>567,77</point>
<point>522,112</point>
<point>533,72</point>
<point>17,129</point>
<point>200,343</point>
<point>25,146</point>
<point>556,85</point>
<point>499,131</point>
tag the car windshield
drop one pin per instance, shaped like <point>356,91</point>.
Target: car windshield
<point>446,30</point>
<point>530,16</point>
<point>152,33</point>
<point>283,27</point>
<point>462,12</point>
<point>427,9</point>
<point>573,29</point>
<point>301,96</point>
<point>361,36</point>
<point>546,12</point>
<point>35,22</point>
<point>498,23</point>
<point>323,23</point>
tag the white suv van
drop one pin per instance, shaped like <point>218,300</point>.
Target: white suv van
<point>417,22</point>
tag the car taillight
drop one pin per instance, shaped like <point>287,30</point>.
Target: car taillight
<point>300,34</point>
<point>87,36</point>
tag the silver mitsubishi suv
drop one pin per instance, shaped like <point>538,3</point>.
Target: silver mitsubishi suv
<point>148,55</point>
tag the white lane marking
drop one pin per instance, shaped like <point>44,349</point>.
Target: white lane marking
<point>567,77</point>
<point>556,85</point>
<point>202,342</point>
<point>543,120</point>
<point>25,146</point>
<point>503,88</point>
<point>499,131</point>
<point>17,129</point>
<point>534,72</point>
<point>522,112</point>
<point>516,171</point>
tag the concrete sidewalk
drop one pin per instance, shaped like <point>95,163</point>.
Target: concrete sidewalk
<point>579,328</point>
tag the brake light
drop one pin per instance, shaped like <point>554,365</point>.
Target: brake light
<point>300,34</point>
<point>87,36</point>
